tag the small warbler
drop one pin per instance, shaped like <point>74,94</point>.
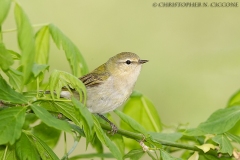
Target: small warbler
<point>111,84</point>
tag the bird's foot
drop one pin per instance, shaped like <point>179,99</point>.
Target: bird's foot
<point>114,129</point>
<point>113,126</point>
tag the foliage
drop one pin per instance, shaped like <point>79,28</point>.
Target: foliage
<point>31,120</point>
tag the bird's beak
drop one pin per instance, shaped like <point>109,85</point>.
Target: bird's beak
<point>142,61</point>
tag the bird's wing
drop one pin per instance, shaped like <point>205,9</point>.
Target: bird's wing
<point>96,77</point>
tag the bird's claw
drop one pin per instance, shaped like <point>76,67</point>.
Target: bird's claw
<point>113,130</point>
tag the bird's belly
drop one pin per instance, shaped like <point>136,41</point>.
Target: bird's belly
<point>102,100</point>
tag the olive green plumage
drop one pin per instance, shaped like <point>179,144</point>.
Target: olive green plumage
<point>109,85</point>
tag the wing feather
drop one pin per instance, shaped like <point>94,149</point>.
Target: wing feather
<point>96,77</point>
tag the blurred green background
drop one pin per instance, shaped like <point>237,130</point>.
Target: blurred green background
<point>193,53</point>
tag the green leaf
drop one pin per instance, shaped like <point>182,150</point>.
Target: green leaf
<point>233,137</point>
<point>39,68</point>
<point>224,144</point>
<point>9,95</point>
<point>60,79</point>
<point>85,117</point>
<point>10,154</point>
<point>65,108</point>
<point>170,137</point>
<point>49,120</point>
<point>194,156</point>
<point>143,111</point>
<point>31,95</point>
<point>235,129</point>
<point>48,134</point>
<point>105,140</point>
<point>11,123</point>
<point>141,116</point>
<point>25,149</point>
<point>15,55</point>
<point>96,143</point>
<point>4,8</point>
<point>210,157</point>
<point>78,130</point>
<point>38,76</point>
<point>118,140</point>
<point>151,155</point>
<point>165,156</point>
<point>235,99</point>
<point>206,147</point>
<point>45,152</point>
<point>26,42</point>
<point>194,132</point>
<point>30,118</point>
<point>221,121</point>
<point>75,58</point>
<point>134,154</point>
<point>15,78</point>
<point>6,59</point>
<point>132,123</point>
<point>42,45</point>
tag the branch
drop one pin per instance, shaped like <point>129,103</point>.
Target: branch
<point>139,137</point>
<point>125,133</point>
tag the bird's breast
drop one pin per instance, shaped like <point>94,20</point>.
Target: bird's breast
<point>109,95</point>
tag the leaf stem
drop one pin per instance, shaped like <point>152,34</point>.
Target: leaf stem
<point>57,100</point>
<point>5,152</point>
<point>34,26</point>
<point>70,151</point>
<point>65,143</point>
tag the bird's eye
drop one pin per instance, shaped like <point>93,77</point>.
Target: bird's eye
<point>128,62</point>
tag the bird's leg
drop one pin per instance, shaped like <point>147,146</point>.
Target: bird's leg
<point>113,126</point>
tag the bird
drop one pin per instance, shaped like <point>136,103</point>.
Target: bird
<point>110,85</point>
